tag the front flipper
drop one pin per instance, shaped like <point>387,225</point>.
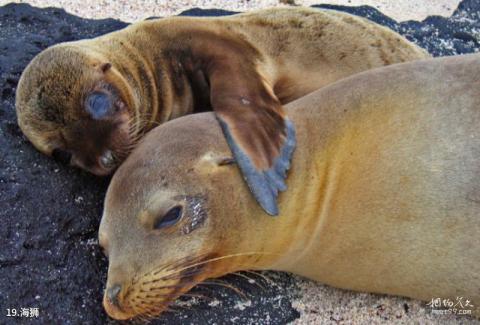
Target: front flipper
<point>264,183</point>
<point>260,136</point>
<point>252,118</point>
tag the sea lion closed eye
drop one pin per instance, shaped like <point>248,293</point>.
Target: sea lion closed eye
<point>96,98</point>
<point>383,196</point>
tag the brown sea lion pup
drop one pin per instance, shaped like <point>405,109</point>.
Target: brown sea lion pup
<point>384,196</point>
<point>89,101</point>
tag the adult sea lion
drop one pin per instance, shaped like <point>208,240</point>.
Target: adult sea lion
<point>89,101</point>
<point>384,196</point>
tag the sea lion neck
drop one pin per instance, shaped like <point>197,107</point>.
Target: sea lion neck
<point>190,53</point>
<point>167,83</point>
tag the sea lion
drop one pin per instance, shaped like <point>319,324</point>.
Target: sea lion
<point>89,101</point>
<point>384,195</point>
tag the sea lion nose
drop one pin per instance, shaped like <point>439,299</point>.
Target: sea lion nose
<point>107,160</point>
<point>112,294</point>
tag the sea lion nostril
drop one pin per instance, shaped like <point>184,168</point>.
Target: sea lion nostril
<point>62,156</point>
<point>107,160</point>
<point>112,294</point>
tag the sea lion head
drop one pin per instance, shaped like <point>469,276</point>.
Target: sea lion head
<point>177,212</point>
<point>74,105</point>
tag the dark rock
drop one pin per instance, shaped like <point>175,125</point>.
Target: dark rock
<point>49,257</point>
<point>439,35</point>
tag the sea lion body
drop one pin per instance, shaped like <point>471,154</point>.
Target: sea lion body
<point>94,99</point>
<point>384,194</point>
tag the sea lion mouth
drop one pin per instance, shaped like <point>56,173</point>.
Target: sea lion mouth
<point>114,310</point>
<point>151,293</point>
<point>107,160</point>
<point>103,166</point>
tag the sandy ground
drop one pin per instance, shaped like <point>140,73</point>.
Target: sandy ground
<point>317,304</point>
<point>137,10</point>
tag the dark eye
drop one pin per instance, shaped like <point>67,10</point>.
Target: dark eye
<point>62,156</point>
<point>98,105</point>
<point>170,218</point>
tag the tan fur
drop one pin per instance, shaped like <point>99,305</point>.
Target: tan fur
<point>159,69</point>
<point>383,195</point>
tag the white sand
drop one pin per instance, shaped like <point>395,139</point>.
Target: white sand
<point>140,9</point>
<point>320,304</point>
<point>317,304</point>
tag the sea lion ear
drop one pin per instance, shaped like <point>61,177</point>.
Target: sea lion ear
<point>223,161</point>
<point>212,160</point>
<point>104,67</point>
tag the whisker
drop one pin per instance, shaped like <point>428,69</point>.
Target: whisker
<point>264,277</point>
<point>195,295</point>
<point>147,319</point>
<point>184,268</point>
<point>228,286</point>
<point>177,275</point>
<point>248,279</point>
<point>220,258</point>
<point>175,265</point>
<point>174,286</point>
<point>182,261</point>
<point>182,307</point>
<point>190,273</point>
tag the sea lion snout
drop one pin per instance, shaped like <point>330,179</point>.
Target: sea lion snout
<point>102,141</point>
<point>105,164</point>
<point>98,146</point>
<point>112,304</point>
<point>112,294</point>
<point>101,166</point>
